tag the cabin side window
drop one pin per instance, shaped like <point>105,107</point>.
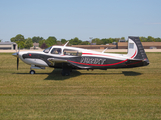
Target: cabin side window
<point>72,52</point>
<point>56,51</point>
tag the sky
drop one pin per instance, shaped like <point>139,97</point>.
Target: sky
<point>85,19</point>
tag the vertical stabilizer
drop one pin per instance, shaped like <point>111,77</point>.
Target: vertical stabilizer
<point>135,49</point>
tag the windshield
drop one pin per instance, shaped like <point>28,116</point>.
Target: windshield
<point>47,50</point>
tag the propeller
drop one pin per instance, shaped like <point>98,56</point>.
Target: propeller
<point>18,57</point>
<point>17,62</point>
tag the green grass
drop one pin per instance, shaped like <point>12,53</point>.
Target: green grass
<point>133,94</point>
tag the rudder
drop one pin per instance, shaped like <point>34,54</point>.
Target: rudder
<point>140,52</point>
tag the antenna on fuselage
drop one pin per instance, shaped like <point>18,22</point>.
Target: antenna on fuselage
<point>104,50</point>
<point>66,44</point>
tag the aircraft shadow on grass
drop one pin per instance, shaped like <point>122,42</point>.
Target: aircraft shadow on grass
<point>131,73</point>
<point>56,74</point>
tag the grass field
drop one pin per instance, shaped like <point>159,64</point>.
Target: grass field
<point>113,94</point>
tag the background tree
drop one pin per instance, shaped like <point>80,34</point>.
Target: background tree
<point>41,42</point>
<point>63,41</point>
<point>51,41</point>
<point>122,38</point>
<point>97,41</point>
<point>19,39</point>
<point>37,39</point>
<point>85,43</point>
<point>115,39</point>
<point>150,39</point>
<point>157,39</point>
<point>20,44</point>
<point>143,39</point>
<point>43,46</point>
<point>28,43</point>
<point>75,41</point>
<point>107,41</point>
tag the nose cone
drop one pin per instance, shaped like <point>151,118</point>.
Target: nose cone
<point>15,54</point>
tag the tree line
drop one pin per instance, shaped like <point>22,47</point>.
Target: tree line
<point>51,40</point>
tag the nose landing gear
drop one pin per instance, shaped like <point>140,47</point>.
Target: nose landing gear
<point>35,67</point>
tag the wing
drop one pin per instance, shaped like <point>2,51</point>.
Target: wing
<point>55,60</point>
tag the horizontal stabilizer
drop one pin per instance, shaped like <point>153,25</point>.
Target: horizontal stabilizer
<point>136,62</point>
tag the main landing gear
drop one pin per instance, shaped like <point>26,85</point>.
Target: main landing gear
<point>32,71</point>
<point>34,67</point>
<point>66,70</point>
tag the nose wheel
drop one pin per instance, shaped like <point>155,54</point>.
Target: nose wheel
<point>32,72</point>
<point>35,67</point>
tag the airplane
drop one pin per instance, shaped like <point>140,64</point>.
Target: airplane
<point>68,58</point>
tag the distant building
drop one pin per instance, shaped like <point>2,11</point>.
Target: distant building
<point>59,43</point>
<point>110,46</point>
<point>8,45</point>
<point>120,45</point>
<point>35,46</point>
<point>93,43</point>
<point>146,45</point>
<point>122,40</point>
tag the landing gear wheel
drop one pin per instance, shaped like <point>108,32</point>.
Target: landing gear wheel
<point>32,72</point>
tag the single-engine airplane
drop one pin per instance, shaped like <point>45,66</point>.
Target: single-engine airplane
<point>68,58</point>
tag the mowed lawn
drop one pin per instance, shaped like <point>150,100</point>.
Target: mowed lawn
<point>112,94</point>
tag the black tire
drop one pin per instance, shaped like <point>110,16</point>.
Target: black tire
<point>32,72</point>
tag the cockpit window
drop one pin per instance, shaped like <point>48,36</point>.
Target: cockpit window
<point>72,52</point>
<point>56,51</point>
<point>47,50</point>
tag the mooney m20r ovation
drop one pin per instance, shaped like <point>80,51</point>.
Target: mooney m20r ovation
<point>68,58</point>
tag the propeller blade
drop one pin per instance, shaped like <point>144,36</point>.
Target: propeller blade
<point>18,57</point>
<point>17,62</point>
